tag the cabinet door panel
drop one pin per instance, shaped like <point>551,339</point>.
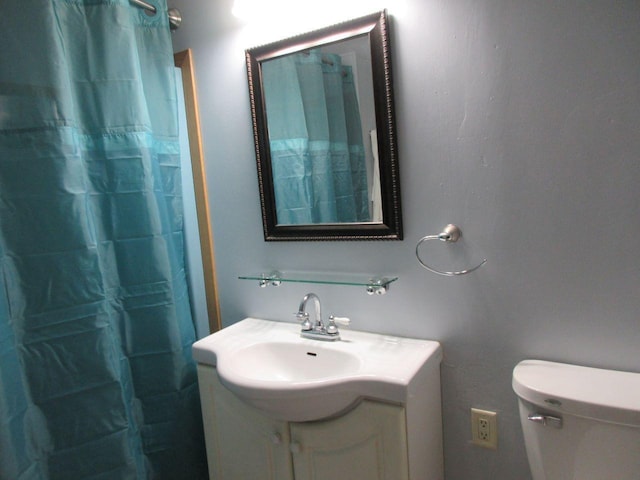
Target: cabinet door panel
<point>369,443</point>
<point>242,443</point>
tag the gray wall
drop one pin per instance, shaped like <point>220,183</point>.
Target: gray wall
<point>517,120</point>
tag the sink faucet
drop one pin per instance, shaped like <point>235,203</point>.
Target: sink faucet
<point>304,316</point>
<point>318,330</point>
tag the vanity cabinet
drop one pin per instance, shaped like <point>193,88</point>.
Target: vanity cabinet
<point>367,443</point>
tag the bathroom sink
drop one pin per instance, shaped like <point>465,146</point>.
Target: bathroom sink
<point>289,364</point>
<point>269,366</point>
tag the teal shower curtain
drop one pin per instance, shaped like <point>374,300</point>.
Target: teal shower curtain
<point>315,133</point>
<point>96,375</point>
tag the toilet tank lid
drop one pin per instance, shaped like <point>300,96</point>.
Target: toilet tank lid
<point>606,395</point>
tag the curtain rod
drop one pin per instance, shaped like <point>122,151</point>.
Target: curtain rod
<point>175,19</point>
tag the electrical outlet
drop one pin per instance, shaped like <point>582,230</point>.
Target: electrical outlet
<point>484,428</point>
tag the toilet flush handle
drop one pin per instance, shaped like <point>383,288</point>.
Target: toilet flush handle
<point>546,420</point>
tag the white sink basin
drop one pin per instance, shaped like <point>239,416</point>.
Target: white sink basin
<point>268,365</point>
<point>286,364</point>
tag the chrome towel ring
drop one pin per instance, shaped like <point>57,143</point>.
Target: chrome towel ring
<point>450,234</point>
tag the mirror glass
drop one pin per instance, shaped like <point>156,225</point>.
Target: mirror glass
<point>323,120</point>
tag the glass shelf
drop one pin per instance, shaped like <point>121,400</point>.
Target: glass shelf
<point>373,285</point>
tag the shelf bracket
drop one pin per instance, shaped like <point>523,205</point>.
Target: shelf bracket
<point>378,286</point>
<point>273,279</point>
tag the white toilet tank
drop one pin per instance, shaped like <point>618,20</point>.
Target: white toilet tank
<point>579,423</point>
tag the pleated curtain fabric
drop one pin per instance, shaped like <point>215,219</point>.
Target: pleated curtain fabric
<point>96,375</point>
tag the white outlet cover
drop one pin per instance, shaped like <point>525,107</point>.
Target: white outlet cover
<point>484,428</point>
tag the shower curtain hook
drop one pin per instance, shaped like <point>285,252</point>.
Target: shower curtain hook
<point>175,18</point>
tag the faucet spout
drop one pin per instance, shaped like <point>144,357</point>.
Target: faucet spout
<point>302,310</point>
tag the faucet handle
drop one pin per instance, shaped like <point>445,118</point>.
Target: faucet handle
<point>304,318</point>
<point>332,328</point>
<point>343,321</point>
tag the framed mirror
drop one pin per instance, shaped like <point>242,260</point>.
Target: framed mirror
<point>324,131</point>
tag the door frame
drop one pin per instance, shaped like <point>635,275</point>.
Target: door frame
<point>184,61</point>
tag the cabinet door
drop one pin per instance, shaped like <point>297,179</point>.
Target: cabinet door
<point>369,443</point>
<point>242,443</point>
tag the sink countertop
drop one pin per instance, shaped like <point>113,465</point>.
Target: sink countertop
<point>388,361</point>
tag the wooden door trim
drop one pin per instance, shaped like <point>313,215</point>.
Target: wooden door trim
<point>184,61</point>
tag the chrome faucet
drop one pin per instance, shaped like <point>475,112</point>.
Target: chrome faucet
<point>317,330</point>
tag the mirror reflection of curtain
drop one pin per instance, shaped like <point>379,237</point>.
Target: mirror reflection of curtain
<point>315,134</point>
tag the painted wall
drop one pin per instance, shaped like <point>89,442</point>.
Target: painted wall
<point>518,121</point>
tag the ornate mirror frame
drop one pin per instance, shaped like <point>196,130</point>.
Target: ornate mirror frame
<point>376,29</point>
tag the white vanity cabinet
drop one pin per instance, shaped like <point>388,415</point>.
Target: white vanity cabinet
<point>270,371</point>
<point>367,443</point>
<point>241,442</point>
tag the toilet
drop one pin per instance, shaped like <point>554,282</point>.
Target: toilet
<point>579,423</point>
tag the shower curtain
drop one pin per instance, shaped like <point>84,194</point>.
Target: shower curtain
<point>315,134</point>
<point>96,375</point>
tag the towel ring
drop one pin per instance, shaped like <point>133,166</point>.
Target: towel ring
<point>450,234</point>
